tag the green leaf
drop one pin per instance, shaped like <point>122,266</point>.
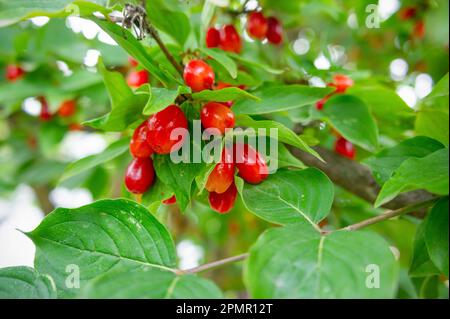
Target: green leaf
<point>157,193</point>
<point>256,65</point>
<point>130,44</point>
<point>284,158</point>
<point>115,83</point>
<point>160,98</point>
<point>296,261</point>
<point>285,135</point>
<point>105,236</point>
<point>421,264</point>
<point>25,283</point>
<point>436,235</point>
<point>223,95</point>
<point>150,282</point>
<point>291,196</point>
<point>384,163</point>
<point>281,98</point>
<point>429,173</point>
<point>221,57</point>
<point>112,151</point>
<point>179,177</point>
<point>352,119</point>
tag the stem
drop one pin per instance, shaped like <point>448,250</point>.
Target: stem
<point>216,263</point>
<point>388,215</point>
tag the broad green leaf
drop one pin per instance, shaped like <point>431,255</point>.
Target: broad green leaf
<point>421,264</point>
<point>79,80</point>
<point>352,119</point>
<point>115,84</point>
<point>285,135</point>
<point>436,235</point>
<point>25,283</point>
<point>223,95</point>
<point>112,151</point>
<point>41,172</point>
<point>150,282</point>
<point>160,98</point>
<point>14,11</point>
<point>296,261</point>
<point>438,98</point>
<point>280,98</point>
<point>291,196</point>
<point>130,44</point>
<point>157,193</point>
<point>257,65</point>
<point>429,173</point>
<point>178,176</point>
<point>384,163</point>
<point>284,158</point>
<point>106,236</point>
<point>221,57</point>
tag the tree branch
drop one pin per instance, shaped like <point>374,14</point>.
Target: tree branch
<point>216,263</point>
<point>42,195</point>
<point>356,178</point>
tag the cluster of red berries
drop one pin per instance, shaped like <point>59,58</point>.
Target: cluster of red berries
<point>259,28</point>
<point>341,83</point>
<point>136,78</point>
<point>412,13</point>
<point>66,109</point>
<point>226,38</point>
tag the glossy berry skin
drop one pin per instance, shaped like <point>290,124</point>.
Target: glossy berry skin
<point>230,39</point>
<point>222,175</point>
<point>212,38</point>
<point>133,63</point>
<point>137,78</point>
<point>223,203</point>
<point>14,72</point>
<point>344,148</point>
<point>217,115</point>
<point>251,165</point>
<point>139,175</point>
<point>170,201</point>
<point>67,108</point>
<point>341,83</point>
<point>160,126</point>
<point>257,25</point>
<point>274,31</point>
<point>45,114</point>
<point>139,146</point>
<point>198,75</point>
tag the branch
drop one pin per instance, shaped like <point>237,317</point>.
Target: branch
<point>42,196</point>
<point>356,178</point>
<point>216,263</point>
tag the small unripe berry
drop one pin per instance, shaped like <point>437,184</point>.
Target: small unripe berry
<point>344,148</point>
<point>223,203</point>
<point>137,78</point>
<point>212,38</point>
<point>198,75</point>
<point>222,175</point>
<point>160,127</point>
<point>217,115</point>
<point>257,25</point>
<point>274,31</point>
<point>139,146</point>
<point>230,39</point>
<point>67,108</point>
<point>251,165</point>
<point>139,175</point>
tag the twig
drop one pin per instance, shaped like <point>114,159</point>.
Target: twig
<point>216,263</point>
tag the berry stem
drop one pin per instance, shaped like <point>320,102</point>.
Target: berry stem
<point>216,263</point>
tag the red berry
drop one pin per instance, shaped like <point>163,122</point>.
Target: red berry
<point>160,127</point>
<point>67,108</point>
<point>407,13</point>
<point>274,31</point>
<point>321,103</point>
<point>251,165</point>
<point>419,29</point>
<point>14,72</point>
<point>341,82</point>
<point>132,62</point>
<point>75,127</point>
<point>230,39</point>
<point>170,201</point>
<point>137,78</point>
<point>212,38</point>
<point>223,203</point>
<point>45,114</point>
<point>345,148</point>
<point>257,25</point>
<point>139,176</point>
<point>198,75</point>
<point>217,115</point>
<point>222,175</point>
<point>139,146</point>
